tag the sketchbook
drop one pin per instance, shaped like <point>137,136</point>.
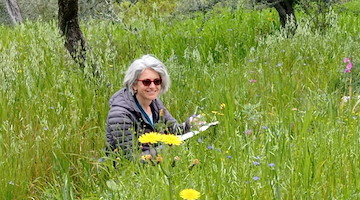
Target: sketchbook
<point>201,129</point>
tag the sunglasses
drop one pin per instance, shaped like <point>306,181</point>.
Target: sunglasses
<point>147,82</point>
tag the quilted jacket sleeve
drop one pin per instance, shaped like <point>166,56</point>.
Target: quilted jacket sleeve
<point>120,129</point>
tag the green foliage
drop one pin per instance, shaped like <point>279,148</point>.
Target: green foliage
<point>284,131</point>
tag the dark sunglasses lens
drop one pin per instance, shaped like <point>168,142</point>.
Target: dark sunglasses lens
<point>146,82</point>
<point>157,81</point>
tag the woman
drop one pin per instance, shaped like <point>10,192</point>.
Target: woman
<point>136,108</point>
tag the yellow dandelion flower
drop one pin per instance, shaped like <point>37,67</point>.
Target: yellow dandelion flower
<point>151,137</point>
<point>217,113</point>
<point>189,194</point>
<point>171,139</point>
<point>222,106</point>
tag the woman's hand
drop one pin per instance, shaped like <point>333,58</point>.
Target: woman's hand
<point>196,121</point>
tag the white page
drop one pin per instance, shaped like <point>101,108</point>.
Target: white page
<point>193,133</point>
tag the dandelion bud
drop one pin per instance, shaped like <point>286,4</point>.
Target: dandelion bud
<point>195,162</point>
<point>161,113</point>
<point>146,157</point>
<point>176,158</point>
<point>159,159</point>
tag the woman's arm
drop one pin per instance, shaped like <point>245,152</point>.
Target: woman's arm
<point>173,126</point>
<point>170,122</point>
<point>120,130</point>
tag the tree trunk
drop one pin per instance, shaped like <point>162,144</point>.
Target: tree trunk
<point>287,14</point>
<point>75,41</point>
<point>13,11</point>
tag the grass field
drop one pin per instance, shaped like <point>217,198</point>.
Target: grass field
<point>285,130</point>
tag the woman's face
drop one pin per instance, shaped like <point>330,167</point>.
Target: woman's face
<point>150,92</point>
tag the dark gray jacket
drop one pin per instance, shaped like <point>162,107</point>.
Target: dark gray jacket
<point>125,122</point>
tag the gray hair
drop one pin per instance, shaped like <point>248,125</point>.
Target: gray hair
<point>138,66</point>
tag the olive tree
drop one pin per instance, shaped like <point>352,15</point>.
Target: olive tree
<point>316,10</point>
<point>75,41</point>
<point>285,9</point>
<point>10,11</point>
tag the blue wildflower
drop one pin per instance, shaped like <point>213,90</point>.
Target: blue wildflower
<point>271,165</point>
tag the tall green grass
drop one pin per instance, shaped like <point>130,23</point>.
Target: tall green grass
<point>282,131</point>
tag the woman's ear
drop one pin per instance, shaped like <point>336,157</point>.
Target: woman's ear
<point>135,89</point>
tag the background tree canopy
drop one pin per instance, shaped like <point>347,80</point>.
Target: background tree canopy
<point>47,9</point>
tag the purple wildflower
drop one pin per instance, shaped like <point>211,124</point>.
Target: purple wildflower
<point>256,163</point>
<point>256,178</point>
<point>348,66</point>
<point>248,132</point>
<point>271,165</point>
